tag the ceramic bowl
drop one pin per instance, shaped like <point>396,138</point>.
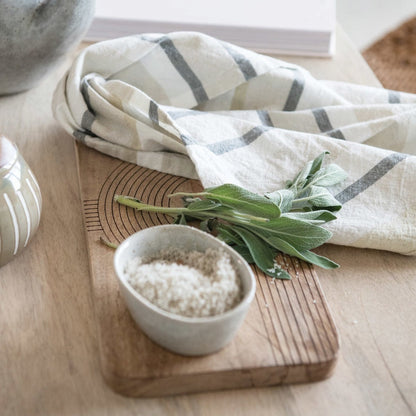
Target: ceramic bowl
<point>180,334</point>
<point>20,202</point>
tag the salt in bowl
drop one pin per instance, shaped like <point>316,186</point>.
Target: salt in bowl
<point>181,334</point>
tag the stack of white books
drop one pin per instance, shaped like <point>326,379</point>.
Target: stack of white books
<point>293,27</point>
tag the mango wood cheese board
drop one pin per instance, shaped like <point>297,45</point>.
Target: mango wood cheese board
<point>288,336</point>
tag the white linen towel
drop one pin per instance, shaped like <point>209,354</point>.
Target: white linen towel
<point>191,105</point>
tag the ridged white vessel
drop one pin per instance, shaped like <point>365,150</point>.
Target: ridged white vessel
<point>20,202</point>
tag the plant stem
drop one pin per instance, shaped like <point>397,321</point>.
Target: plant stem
<point>237,217</point>
<point>140,206</point>
<point>188,194</point>
<point>108,243</point>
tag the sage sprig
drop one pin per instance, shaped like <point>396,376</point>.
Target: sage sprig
<point>259,226</point>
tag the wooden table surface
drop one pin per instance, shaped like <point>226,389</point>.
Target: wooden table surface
<point>48,347</point>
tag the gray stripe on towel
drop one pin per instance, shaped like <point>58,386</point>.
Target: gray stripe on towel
<point>324,124</point>
<point>187,140</point>
<point>394,97</point>
<point>246,67</point>
<point>178,61</point>
<point>87,120</point>
<point>85,93</point>
<point>371,177</point>
<point>153,112</point>
<point>88,117</point>
<point>231,144</point>
<point>295,91</point>
<point>336,134</point>
<point>175,114</point>
<point>322,119</point>
<point>265,118</point>
<point>79,135</point>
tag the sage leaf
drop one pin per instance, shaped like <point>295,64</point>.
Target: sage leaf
<point>202,205</point>
<point>320,261</point>
<point>227,235</point>
<point>180,219</point>
<point>296,232</point>
<point>204,226</point>
<point>301,178</point>
<point>320,197</point>
<point>317,163</point>
<point>263,254</point>
<point>329,175</point>
<point>244,252</point>
<point>313,217</point>
<point>305,255</point>
<point>243,201</point>
<point>231,214</point>
<point>283,198</point>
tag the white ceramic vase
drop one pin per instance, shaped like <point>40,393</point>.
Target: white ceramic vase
<point>20,202</point>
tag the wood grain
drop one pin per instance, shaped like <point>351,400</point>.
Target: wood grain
<point>288,336</point>
<point>49,349</point>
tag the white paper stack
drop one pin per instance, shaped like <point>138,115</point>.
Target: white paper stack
<point>295,27</point>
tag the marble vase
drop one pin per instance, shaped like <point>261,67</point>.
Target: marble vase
<point>35,35</point>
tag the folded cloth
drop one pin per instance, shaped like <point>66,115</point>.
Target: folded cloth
<point>191,105</point>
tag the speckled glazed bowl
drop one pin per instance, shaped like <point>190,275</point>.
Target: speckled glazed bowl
<point>181,334</point>
<point>20,202</point>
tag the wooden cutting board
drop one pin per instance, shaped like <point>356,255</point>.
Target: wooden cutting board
<point>288,336</point>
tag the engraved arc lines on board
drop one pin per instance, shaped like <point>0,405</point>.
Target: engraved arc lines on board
<point>92,220</point>
<point>149,186</point>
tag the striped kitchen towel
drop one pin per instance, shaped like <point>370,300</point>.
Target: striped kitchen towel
<point>191,105</point>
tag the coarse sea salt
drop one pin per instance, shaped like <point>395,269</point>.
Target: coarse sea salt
<point>187,283</point>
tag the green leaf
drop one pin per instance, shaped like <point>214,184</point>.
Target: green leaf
<point>283,198</point>
<point>307,173</point>
<point>320,261</point>
<point>313,217</point>
<point>305,255</point>
<point>204,226</point>
<point>320,197</point>
<point>314,174</point>
<point>317,163</point>
<point>299,233</point>
<point>329,175</point>
<point>243,201</point>
<point>203,205</point>
<point>244,252</point>
<point>316,198</point>
<point>301,178</point>
<point>279,273</point>
<point>226,234</point>
<point>180,219</point>
<point>187,200</point>
<point>263,255</point>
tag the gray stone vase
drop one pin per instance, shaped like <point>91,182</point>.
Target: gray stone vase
<point>35,35</point>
